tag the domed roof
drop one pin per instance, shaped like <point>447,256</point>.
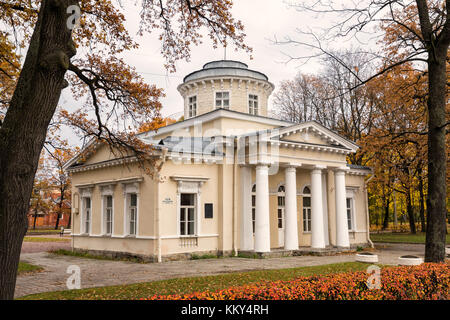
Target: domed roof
<point>225,68</point>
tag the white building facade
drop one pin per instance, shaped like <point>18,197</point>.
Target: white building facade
<point>231,180</point>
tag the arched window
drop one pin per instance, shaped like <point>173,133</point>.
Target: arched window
<point>281,204</point>
<point>253,206</point>
<point>306,209</point>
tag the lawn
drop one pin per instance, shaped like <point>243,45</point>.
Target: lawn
<point>42,231</point>
<point>189,285</point>
<point>27,268</point>
<point>401,237</point>
<point>43,239</point>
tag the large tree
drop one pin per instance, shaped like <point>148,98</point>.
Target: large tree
<point>118,100</point>
<point>412,32</point>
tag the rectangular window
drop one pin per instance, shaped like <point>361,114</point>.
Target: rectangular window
<point>253,211</point>
<point>223,100</point>
<point>132,211</point>
<point>192,106</point>
<point>350,213</point>
<point>108,214</point>
<point>187,214</point>
<point>307,214</point>
<point>253,104</point>
<point>87,214</point>
<point>281,204</point>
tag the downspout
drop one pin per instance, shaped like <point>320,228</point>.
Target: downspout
<point>235,249</point>
<point>157,209</point>
<point>367,212</point>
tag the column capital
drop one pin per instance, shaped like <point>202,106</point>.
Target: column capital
<point>341,170</point>
<point>291,169</point>
<point>262,166</point>
<point>318,168</point>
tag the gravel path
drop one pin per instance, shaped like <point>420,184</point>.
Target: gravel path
<point>97,273</point>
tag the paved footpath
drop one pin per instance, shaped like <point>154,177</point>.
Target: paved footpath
<point>98,273</point>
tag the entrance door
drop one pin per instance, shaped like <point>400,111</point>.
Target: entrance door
<point>280,215</point>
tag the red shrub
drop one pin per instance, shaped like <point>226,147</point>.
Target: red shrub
<point>424,282</point>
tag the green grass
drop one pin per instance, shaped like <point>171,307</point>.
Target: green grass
<point>189,285</point>
<point>401,237</point>
<point>42,239</point>
<point>93,256</point>
<point>42,231</point>
<point>25,268</point>
<point>204,256</point>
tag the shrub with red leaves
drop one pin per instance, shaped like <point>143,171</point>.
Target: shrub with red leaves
<point>425,282</point>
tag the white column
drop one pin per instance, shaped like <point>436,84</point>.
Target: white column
<point>290,214</point>
<point>262,224</point>
<point>246,229</point>
<point>342,239</point>
<point>325,209</point>
<point>317,234</point>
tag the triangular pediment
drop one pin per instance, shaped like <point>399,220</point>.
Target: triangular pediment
<point>312,133</point>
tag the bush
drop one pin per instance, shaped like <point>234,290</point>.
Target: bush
<point>424,282</point>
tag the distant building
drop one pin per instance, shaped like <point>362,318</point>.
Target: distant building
<point>233,179</point>
<point>47,219</point>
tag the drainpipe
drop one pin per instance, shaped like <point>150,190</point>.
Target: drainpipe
<point>157,209</point>
<point>367,211</point>
<point>235,140</point>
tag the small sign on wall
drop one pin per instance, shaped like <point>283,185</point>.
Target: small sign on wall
<point>167,201</point>
<point>208,210</point>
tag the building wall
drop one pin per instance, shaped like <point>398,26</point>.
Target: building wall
<point>115,242</point>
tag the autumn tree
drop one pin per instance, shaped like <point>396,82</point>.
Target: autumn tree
<point>117,100</point>
<point>58,179</point>
<point>327,98</point>
<point>411,32</point>
<point>39,203</point>
<point>397,145</point>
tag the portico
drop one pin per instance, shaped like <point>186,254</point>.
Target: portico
<point>258,240</point>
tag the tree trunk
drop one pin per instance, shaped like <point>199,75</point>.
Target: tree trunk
<point>24,129</point>
<point>395,209</point>
<point>69,222</point>
<point>409,208</point>
<point>422,204</point>
<point>386,214</point>
<point>58,217</point>
<point>34,221</point>
<point>437,160</point>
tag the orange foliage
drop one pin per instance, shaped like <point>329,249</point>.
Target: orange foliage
<point>156,124</point>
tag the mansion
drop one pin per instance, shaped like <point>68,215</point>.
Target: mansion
<point>231,180</point>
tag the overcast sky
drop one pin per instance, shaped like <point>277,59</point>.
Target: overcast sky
<point>263,20</point>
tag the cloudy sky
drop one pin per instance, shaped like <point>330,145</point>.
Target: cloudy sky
<point>263,20</point>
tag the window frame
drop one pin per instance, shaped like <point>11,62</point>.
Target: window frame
<point>253,199</point>
<point>186,221</point>
<point>87,218</point>
<point>350,220</point>
<point>251,107</point>
<point>222,100</point>
<point>105,212</point>
<point>191,109</point>
<point>306,218</point>
<point>130,214</point>
<point>281,195</point>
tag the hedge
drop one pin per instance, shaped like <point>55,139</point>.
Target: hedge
<point>425,282</point>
